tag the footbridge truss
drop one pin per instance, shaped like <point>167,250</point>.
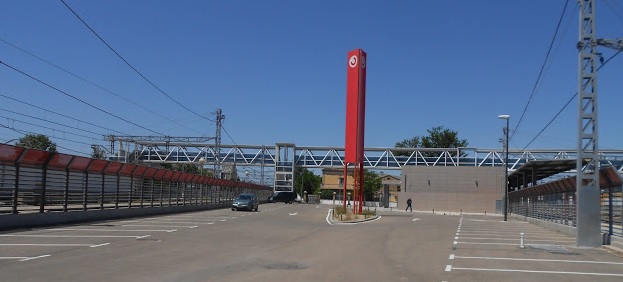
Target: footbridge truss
<point>375,158</point>
<point>282,159</point>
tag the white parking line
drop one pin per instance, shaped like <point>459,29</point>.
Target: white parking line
<point>514,239</point>
<point>50,245</point>
<point>511,234</point>
<point>153,225</point>
<point>476,243</point>
<point>173,222</point>
<point>100,245</point>
<point>68,236</point>
<point>539,271</point>
<point>31,258</point>
<point>109,230</point>
<point>544,260</point>
<point>448,267</point>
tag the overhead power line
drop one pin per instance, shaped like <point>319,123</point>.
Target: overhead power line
<point>94,84</point>
<point>50,128</point>
<point>565,106</point>
<point>76,98</point>
<point>66,116</point>
<point>538,79</point>
<point>53,122</point>
<point>130,65</point>
<point>25,132</point>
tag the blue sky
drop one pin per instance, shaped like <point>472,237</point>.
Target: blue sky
<point>277,69</point>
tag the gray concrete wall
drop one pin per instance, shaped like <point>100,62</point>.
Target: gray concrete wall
<point>468,189</point>
<point>27,220</point>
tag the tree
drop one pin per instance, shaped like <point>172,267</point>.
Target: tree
<point>37,141</point>
<point>98,152</point>
<point>371,184</point>
<point>407,143</point>
<point>438,137</point>
<point>306,179</point>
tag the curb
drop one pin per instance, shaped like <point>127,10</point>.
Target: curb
<point>337,222</point>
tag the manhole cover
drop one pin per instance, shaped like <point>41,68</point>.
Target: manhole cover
<point>286,266</point>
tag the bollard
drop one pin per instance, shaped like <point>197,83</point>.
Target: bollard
<point>485,212</point>
<point>521,245</point>
<point>433,210</point>
<point>461,212</point>
<point>341,219</point>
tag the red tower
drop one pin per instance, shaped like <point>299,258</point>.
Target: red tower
<point>355,124</point>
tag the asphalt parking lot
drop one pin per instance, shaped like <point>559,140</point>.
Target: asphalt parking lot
<point>285,242</point>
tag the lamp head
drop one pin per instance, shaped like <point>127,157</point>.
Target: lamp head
<point>504,116</point>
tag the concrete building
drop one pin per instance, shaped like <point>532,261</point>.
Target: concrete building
<point>390,185</point>
<point>452,189</point>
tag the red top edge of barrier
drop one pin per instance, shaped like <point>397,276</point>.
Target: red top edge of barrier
<point>35,157</point>
<point>10,153</point>
<point>60,160</point>
<point>97,165</point>
<point>113,167</point>
<point>80,163</point>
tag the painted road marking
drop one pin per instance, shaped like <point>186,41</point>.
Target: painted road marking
<point>70,236</point>
<point>543,260</point>
<point>173,222</point>
<point>153,225</point>
<point>448,267</point>
<point>100,245</point>
<point>539,271</point>
<point>476,243</point>
<point>296,213</point>
<point>515,239</point>
<point>31,258</point>
<point>452,256</point>
<point>516,234</point>
<point>52,245</point>
<point>109,230</point>
<point>415,219</point>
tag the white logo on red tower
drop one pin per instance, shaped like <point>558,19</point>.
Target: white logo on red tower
<point>352,62</point>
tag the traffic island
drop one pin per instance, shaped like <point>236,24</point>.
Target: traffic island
<point>339,214</point>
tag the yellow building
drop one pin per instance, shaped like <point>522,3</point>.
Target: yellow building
<point>333,179</point>
<point>392,184</point>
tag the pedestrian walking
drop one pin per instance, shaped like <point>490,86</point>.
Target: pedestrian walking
<point>409,205</point>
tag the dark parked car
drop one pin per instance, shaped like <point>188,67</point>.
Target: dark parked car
<point>245,202</point>
<point>283,196</point>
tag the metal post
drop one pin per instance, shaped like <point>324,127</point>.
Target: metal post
<point>505,186</point>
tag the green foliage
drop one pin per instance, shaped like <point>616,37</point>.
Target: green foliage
<point>37,141</point>
<point>371,184</point>
<point>308,180</point>
<point>98,152</point>
<point>407,143</point>
<point>438,137</point>
<point>326,194</point>
<point>189,168</point>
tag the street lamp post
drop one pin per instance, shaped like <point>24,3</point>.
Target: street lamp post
<point>505,205</point>
<point>202,161</point>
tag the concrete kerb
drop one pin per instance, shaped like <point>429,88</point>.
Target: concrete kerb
<point>337,222</point>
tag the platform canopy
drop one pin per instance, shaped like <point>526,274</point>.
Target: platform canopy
<point>533,171</point>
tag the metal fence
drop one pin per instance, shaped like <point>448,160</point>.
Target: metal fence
<point>556,202</point>
<point>39,181</point>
